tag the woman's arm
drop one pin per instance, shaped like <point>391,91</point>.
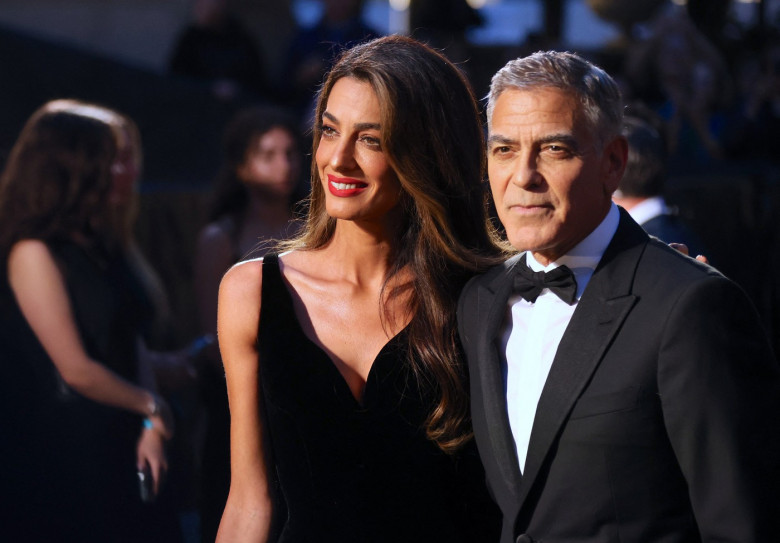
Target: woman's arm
<point>150,448</point>
<point>213,257</point>
<point>247,515</point>
<point>40,290</point>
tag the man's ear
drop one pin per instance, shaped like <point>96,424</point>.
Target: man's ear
<point>613,163</point>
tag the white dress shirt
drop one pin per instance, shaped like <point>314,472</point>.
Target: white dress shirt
<point>649,209</point>
<point>532,331</point>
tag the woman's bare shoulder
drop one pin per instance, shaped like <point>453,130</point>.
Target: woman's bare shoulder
<point>29,249</point>
<point>31,259</point>
<point>238,306</point>
<point>243,280</point>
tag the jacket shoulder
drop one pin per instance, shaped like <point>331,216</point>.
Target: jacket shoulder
<point>663,261</point>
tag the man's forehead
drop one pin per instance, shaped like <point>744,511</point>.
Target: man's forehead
<point>535,97</point>
<point>543,111</point>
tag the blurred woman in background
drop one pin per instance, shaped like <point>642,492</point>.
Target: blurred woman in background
<point>86,414</point>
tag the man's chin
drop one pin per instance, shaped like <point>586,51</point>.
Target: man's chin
<point>526,238</point>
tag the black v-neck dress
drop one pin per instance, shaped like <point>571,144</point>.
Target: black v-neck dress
<point>70,466</point>
<point>352,471</point>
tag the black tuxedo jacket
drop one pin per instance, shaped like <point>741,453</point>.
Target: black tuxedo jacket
<point>659,420</point>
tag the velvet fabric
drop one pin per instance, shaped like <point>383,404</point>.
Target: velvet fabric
<point>351,471</point>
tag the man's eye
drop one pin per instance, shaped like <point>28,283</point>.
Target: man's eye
<point>558,150</point>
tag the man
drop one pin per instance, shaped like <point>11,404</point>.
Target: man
<point>643,408</point>
<point>641,190</point>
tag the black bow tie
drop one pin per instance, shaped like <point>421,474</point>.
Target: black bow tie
<point>529,283</point>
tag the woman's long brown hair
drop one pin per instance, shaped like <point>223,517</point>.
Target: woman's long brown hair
<point>432,136</point>
<point>57,177</point>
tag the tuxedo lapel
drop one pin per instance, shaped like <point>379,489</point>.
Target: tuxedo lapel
<point>492,306</point>
<point>606,302</point>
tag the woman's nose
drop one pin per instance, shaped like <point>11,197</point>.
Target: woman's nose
<point>343,156</point>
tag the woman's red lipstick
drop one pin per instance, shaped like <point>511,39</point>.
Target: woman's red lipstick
<point>345,186</point>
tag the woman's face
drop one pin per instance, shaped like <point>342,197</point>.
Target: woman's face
<point>358,180</point>
<point>272,163</point>
<point>124,172</point>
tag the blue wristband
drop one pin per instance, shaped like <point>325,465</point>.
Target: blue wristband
<point>200,343</point>
<point>148,424</point>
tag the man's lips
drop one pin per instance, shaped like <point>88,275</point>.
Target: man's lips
<point>529,208</point>
<point>345,186</point>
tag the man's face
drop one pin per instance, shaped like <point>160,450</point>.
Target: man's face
<point>551,181</point>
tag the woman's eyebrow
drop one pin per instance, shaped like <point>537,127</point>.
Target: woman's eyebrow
<point>358,126</point>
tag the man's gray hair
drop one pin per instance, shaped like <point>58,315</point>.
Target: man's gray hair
<point>593,87</point>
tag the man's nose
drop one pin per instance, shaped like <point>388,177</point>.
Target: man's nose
<point>526,173</point>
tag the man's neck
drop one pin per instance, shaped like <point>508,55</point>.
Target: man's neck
<point>588,249</point>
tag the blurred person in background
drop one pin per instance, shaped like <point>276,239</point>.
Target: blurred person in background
<point>641,191</point>
<point>85,414</point>
<point>693,80</point>
<point>313,51</point>
<point>252,208</point>
<point>443,24</point>
<point>218,49</point>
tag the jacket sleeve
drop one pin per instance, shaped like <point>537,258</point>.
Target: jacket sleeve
<point>466,304</point>
<point>720,392</point>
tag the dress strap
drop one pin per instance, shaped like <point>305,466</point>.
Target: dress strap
<point>270,266</point>
<point>277,302</point>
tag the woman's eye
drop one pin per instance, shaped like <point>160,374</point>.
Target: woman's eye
<point>370,141</point>
<point>327,131</point>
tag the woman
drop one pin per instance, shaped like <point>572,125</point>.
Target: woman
<point>347,342</point>
<point>251,207</point>
<point>252,201</point>
<point>87,415</point>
